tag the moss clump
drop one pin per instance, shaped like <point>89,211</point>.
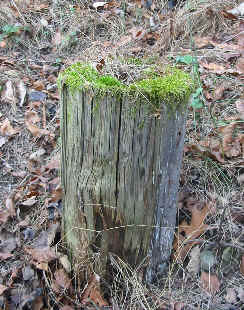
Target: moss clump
<point>175,86</point>
<point>81,75</point>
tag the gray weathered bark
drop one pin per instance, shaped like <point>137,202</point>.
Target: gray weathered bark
<point>120,174</point>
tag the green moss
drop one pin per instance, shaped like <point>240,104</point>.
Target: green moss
<point>175,86</point>
<point>81,75</point>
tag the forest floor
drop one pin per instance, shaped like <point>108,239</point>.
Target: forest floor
<point>38,39</point>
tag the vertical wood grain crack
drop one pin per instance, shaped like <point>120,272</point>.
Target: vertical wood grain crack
<point>118,157</point>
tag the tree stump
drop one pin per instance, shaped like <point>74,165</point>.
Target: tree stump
<point>121,157</point>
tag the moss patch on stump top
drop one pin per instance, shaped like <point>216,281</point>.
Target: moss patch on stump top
<point>174,86</point>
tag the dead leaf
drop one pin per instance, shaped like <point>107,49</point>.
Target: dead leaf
<point>219,91</point>
<point>210,282</point>
<point>213,67</point>
<point>92,292</point>
<point>203,151</point>
<point>62,279</point>
<point>231,147</point>
<point>42,265</point>
<point>6,129</point>
<point>41,255</point>
<point>203,42</point>
<point>38,85</point>
<point>229,15</point>
<point>31,118</point>
<point>186,231</point>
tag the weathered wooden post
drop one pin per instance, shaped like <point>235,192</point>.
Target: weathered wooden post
<point>121,157</point>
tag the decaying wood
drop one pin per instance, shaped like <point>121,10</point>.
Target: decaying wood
<point>120,173</point>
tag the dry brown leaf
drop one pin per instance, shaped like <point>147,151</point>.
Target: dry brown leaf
<point>66,308</point>
<point>41,255</point>
<point>62,279</point>
<point>31,117</point>
<point>92,292</point>
<point>210,282</point>
<point>38,85</point>
<point>203,151</point>
<point>202,42</point>
<point>6,129</point>
<point>213,67</point>
<point>219,91</point>
<point>242,265</point>
<point>42,266</point>
<point>186,231</point>
<point>230,146</point>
